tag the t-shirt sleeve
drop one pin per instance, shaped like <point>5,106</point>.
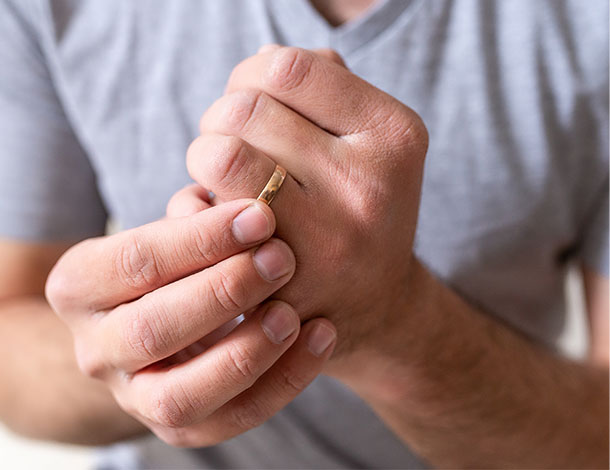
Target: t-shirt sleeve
<point>47,186</point>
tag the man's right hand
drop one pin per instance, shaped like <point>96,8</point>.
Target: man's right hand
<point>137,301</point>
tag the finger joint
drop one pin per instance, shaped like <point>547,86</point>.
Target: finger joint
<point>240,365</point>
<point>142,338</point>
<point>230,163</point>
<point>290,68</point>
<point>136,265</point>
<point>248,414</point>
<point>239,109</point>
<point>167,410</point>
<point>229,292</point>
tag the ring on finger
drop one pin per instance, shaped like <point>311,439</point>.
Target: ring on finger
<point>273,185</point>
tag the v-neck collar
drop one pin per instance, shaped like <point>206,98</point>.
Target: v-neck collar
<point>298,23</point>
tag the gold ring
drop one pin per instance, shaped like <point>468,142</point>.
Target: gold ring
<point>273,185</point>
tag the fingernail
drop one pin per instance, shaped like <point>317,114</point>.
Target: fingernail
<point>251,225</point>
<point>273,260</point>
<point>279,323</point>
<point>320,338</point>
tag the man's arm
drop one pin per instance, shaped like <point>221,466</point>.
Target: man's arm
<point>43,394</point>
<point>457,385</point>
<point>475,393</point>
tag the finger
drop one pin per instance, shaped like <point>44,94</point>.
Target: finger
<point>277,387</point>
<point>286,137</point>
<point>330,54</point>
<point>132,263</point>
<point>233,169</point>
<point>189,392</point>
<point>188,201</point>
<point>322,91</point>
<point>174,316</point>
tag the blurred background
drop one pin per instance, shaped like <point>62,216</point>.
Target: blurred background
<point>17,453</point>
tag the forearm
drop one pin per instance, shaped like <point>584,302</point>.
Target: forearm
<point>464,390</point>
<point>43,394</point>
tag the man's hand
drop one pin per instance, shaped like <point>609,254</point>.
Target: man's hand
<point>140,304</point>
<point>348,206</point>
<point>456,385</point>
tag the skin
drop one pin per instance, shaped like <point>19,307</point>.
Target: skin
<point>337,12</point>
<point>440,392</point>
<point>141,322</point>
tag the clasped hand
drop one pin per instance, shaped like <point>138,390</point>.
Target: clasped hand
<point>153,309</point>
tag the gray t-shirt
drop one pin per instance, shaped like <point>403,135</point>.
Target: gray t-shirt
<point>99,100</point>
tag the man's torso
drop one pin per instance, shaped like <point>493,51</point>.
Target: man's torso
<point>512,172</point>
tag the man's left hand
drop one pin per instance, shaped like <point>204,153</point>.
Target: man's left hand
<point>348,207</point>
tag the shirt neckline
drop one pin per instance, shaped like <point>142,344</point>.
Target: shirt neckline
<point>298,23</point>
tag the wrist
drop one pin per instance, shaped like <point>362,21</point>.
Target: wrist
<point>383,366</point>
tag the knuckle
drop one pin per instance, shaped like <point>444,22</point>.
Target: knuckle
<point>420,134</point>
<point>364,191</point>
<point>166,410</point>
<point>231,158</point>
<point>367,200</point>
<point>218,161</point>
<point>289,69</point>
<point>136,265</point>
<point>204,247</point>
<point>240,365</point>
<point>292,382</point>
<point>404,133</point>
<point>239,108</point>
<point>248,414</point>
<point>141,338</point>
<point>229,292</point>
